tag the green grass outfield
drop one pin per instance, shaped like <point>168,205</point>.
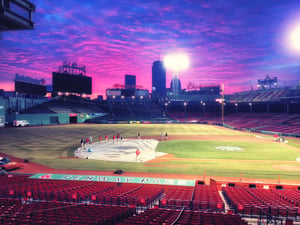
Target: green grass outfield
<point>46,144</point>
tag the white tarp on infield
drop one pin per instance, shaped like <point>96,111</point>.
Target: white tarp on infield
<point>124,150</point>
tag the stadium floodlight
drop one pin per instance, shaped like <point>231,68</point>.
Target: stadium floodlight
<point>294,38</point>
<point>176,62</point>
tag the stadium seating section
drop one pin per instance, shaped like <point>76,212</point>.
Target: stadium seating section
<point>257,122</point>
<point>42,201</point>
<point>251,112</point>
<point>262,95</point>
<point>280,203</point>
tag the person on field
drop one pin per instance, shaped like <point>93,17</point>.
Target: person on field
<point>137,154</point>
<point>106,137</point>
<point>82,143</point>
<point>87,141</point>
<point>100,139</point>
<point>139,135</point>
<point>162,136</point>
<point>166,136</point>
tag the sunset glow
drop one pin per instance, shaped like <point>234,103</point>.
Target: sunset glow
<point>233,43</point>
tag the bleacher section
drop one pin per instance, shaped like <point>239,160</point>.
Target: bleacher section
<point>66,104</point>
<point>207,197</point>
<point>254,202</point>
<point>14,211</point>
<point>271,122</point>
<point>189,97</point>
<point>121,110</point>
<point>42,201</point>
<point>177,197</point>
<point>125,110</point>
<point>42,108</point>
<point>169,216</point>
<point>262,95</point>
<point>288,124</point>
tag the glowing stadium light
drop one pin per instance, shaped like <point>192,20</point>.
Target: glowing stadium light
<point>291,36</point>
<point>294,38</point>
<point>220,100</point>
<point>176,62</point>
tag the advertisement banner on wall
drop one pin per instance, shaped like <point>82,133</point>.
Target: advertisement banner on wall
<point>118,179</point>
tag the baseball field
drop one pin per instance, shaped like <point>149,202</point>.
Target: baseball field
<point>191,149</point>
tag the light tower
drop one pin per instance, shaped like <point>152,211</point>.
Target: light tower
<point>176,63</point>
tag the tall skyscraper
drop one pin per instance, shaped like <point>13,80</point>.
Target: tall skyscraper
<point>158,79</point>
<point>130,81</point>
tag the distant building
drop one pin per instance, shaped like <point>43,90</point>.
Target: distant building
<point>16,15</point>
<point>130,81</point>
<point>158,79</point>
<point>175,85</point>
<point>99,98</point>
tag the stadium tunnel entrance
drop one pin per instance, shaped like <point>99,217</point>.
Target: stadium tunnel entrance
<point>73,119</point>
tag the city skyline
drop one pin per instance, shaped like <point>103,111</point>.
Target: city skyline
<point>232,42</point>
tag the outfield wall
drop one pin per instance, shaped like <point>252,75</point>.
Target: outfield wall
<point>53,119</point>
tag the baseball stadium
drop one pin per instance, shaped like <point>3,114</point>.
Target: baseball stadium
<point>167,157</point>
<point>181,165</point>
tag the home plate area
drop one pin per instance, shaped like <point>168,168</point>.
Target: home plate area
<point>124,150</point>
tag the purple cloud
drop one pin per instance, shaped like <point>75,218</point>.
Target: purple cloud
<point>230,42</point>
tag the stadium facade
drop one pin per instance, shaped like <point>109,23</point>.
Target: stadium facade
<point>279,108</point>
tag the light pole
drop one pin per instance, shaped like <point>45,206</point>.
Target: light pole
<point>185,110</point>
<point>166,107</point>
<point>236,107</point>
<point>203,106</point>
<point>17,102</point>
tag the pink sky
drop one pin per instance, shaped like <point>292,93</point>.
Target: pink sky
<point>227,41</point>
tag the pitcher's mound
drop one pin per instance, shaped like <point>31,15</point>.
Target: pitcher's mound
<point>124,150</point>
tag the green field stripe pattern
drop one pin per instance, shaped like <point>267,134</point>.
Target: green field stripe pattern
<point>46,144</point>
